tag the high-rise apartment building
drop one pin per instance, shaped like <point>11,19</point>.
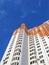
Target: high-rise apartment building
<point>0,63</point>
<point>28,46</point>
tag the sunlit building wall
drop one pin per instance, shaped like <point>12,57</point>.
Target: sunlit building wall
<point>28,46</point>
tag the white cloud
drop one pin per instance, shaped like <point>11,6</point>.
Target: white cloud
<point>24,12</point>
<point>39,2</point>
<point>33,11</point>
<point>1,1</point>
<point>3,13</point>
<point>18,2</point>
<point>24,15</point>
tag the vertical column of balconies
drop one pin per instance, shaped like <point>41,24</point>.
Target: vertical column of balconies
<point>45,40</point>
<point>46,46</point>
<point>16,59</point>
<point>40,51</point>
<point>45,50</point>
<point>32,51</point>
<point>7,55</point>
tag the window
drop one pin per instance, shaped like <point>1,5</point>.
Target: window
<point>33,62</point>
<point>39,49</point>
<point>41,56</point>
<point>42,61</point>
<point>16,53</point>
<point>10,47</point>
<point>32,50</point>
<point>40,52</point>
<point>8,54</point>
<point>15,58</point>
<point>19,50</point>
<point>5,62</point>
<point>47,51</point>
<point>48,36</point>
<point>38,43</point>
<point>45,45</point>
<point>15,63</point>
<point>44,42</point>
<point>18,43</point>
<point>18,46</point>
<point>32,53</point>
<point>30,62</point>
<point>43,39</point>
<point>48,55</point>
<point>38,46</point>
<point>20,36</point>
<point>6,58</point>
<point>31,44</point>
<point>20,39</point>
<point>32,57</point>
<point>32,47</point>
<point>9,51</point>
<point>36,39</point>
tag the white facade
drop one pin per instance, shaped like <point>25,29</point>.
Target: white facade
<point>26,49</point>
<point>0,63</point>
<point>38,50</point>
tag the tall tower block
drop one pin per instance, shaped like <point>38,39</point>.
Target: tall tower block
<point>28,46</point>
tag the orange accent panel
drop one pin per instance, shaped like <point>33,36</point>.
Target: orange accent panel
<point>41,30</point>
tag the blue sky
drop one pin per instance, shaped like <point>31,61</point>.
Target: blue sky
<point>15,12</point>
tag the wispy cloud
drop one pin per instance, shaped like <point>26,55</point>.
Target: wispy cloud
<point>24,12</point>
<point>33,11</point>
<point>1,1</point>
<point>14,1</point>
<point>39,3</point>
<point>2,13</point>
<point>17,2</point>
<point>24,15</point>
